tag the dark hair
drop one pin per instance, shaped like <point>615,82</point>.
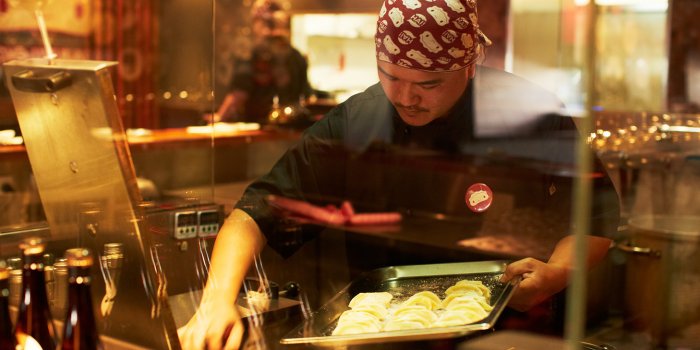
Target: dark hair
<point>270,13</point>
<point>263,9</point>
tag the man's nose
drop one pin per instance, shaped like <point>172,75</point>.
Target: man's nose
<point>406,96</point>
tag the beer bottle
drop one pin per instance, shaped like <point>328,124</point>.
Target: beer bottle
<point>34,328</point>
<point>7,339</point>
<point>80,330</point>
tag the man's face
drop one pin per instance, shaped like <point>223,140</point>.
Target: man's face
<point>421,97</point>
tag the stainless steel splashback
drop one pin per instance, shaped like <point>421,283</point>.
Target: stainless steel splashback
<point>74,139</point>
<point>80,158</point>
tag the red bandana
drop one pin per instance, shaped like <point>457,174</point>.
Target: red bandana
<point>429,35</point>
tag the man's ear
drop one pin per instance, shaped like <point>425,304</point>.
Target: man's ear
<point>471,71</point>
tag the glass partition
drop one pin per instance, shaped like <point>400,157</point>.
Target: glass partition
<point>94,156</point>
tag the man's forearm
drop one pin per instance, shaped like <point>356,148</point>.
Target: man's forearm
<point>563,254</point>
<point>226,104</point>
<point>237,243</point>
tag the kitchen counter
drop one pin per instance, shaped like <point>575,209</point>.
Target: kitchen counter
<point>143,139</point>
<point>169,159</point>
<point>206,136</point>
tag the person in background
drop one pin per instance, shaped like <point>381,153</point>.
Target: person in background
<point>275,69</point>
<point>424,103</point>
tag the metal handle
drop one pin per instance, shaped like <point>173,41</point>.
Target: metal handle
<point>628,247</point>
<point>29,81</point>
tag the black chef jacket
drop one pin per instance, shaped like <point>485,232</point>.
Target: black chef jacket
<point>504,132</point>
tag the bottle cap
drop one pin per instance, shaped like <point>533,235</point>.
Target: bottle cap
<point>78,257</point>
<point>14,263</point>
<point>61,265</point>
<point>48,259</point>
<point>32,246</point>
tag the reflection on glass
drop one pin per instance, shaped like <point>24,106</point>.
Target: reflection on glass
<point>258,299</point>
<point>161,281</point>
<point>60,296</point>
<point>110,266</point>
<point>202,264</point>
<point>549,46</point>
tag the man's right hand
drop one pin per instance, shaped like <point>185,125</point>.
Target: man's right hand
<point>217,323</point>
<point>211,118</point>
<point>214,326</point>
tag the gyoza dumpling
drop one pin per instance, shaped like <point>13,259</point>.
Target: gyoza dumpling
<point>422,315</point>
<point>456,318</point>
<point>461,290</point>
<point>415,313</point>
<point>467,285</point>
<point>358,317</point>
<point>408,308</point>
<point>376,310</point>
<point>355,328</point>
<point>471,307</point>
<point>426,299</point>
<point>398,324</point>
<point>468,294</point>
<point>381,298</point>
<point>355,322</point>
<point>467,299</point>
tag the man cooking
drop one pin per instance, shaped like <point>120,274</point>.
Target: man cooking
<point>424,103</point>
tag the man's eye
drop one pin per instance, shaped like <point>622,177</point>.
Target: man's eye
<point>429,86</point>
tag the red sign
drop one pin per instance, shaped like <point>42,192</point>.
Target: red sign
<point>478,197</point>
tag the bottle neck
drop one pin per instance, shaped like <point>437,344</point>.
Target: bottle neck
<point>82,328</point>
<point>33,286</point>
<point>4,294</point>
<point>34,314</point>
<point>33,269</point>
<point>79,275</point>
<point>33,262</point>
<point>5,288</point>
<point>6,335</point>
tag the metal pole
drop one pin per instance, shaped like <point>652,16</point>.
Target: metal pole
<point>576,297</point>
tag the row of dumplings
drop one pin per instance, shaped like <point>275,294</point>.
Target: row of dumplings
<point>465,302</point>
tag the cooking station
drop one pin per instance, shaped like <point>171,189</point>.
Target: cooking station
<point>171,246</point>
<point>328,264</point>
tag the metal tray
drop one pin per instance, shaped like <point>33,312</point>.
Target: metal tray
<point>402,282</point>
